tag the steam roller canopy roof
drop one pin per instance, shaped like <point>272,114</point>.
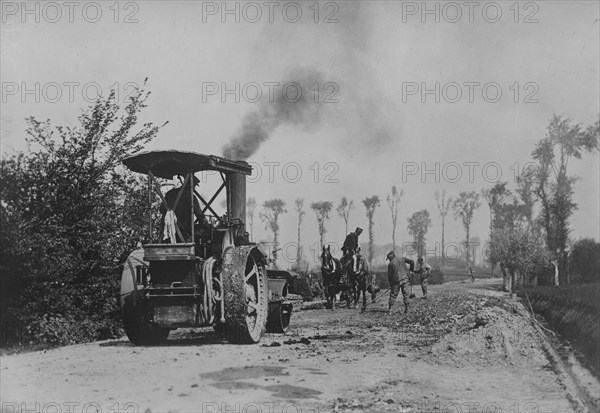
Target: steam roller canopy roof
<point>166,164</point>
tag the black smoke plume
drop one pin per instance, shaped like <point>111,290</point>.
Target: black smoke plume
<point>294,106</point>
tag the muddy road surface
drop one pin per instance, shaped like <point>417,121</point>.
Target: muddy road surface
<point>468,348</point>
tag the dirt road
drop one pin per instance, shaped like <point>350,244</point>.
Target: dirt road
<point>469,348</point>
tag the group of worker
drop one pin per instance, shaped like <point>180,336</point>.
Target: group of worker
<point>398,273</point>
<point>398,276</point>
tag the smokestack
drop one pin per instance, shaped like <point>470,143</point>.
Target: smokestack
<point>236,194</point>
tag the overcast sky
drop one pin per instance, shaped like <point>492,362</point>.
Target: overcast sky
<point>501,71</point>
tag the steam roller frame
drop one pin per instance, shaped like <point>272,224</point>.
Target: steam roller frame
<point>135,317</point>
<point>246,297</point>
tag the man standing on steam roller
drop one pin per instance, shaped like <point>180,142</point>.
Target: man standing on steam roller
<point>181,209</point>
<point>398,278</point>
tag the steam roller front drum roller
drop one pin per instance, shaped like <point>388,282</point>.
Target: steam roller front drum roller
<point>245,288</point>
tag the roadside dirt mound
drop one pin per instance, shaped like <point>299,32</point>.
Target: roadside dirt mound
<point>496,336</point>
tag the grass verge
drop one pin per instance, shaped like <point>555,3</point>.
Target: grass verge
<point>573,310</point>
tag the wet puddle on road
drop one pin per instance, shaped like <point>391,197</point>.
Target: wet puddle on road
<point>233,379</point>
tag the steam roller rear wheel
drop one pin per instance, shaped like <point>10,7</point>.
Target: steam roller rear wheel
<point>145,334</point>
<point>279,317</point>
<point>245,286</point>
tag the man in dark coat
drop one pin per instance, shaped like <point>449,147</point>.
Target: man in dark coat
<point>351,245</point>
<point>182,209</point>
<point>351,242</point>
<point>398,279</point>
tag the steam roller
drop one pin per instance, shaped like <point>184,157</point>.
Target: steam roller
<point>197,268</point>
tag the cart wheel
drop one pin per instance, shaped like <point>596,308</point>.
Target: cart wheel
<point>245,286</point>
<point>279,317</point>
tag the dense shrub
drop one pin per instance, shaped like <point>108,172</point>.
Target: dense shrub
<point>585,260</point>
<point>69,217</point>
<point>436,277</point>
<point>300,284</point>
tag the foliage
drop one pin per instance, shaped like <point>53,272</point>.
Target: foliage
<point>370,204</point>
<point>521,251</point>
<point>585,260</point>
<point>553,186</point>
<point>272,208</point>
<point>495,198</point>
<point>343,209</point>
<point>393,201</point>
<point>436,277</point>
<point>69,218</point>
<point>464,206</point>
<point>300,284</point>
<point>418,225</point>
<point>322,210</point>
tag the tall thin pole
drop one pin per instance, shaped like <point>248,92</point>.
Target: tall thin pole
<point>191,181</point>
<point>149,207</point>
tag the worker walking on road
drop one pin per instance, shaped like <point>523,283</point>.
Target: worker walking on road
<point>398,278</point>
<point>424,270</point>
<point>472,274</point>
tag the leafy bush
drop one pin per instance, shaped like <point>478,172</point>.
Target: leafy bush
<point>300,285</point>
<point>436,277</point>
<point>585,260</point>
<point>69,217</point>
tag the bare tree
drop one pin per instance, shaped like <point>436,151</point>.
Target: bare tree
<point>250,208</point>
<point>393,201</point>
<point>464,207</point>
<point>272,209</point>
<point>370,204</point>
<point>300,210</point>
<point>343,210</point>
<point>418,225</point>
<point>322,210</point>
<point>443,206</point>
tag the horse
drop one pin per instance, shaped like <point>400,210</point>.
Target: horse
<point>360,272</point>
<point>332,273</point>
<point>350,275</point>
